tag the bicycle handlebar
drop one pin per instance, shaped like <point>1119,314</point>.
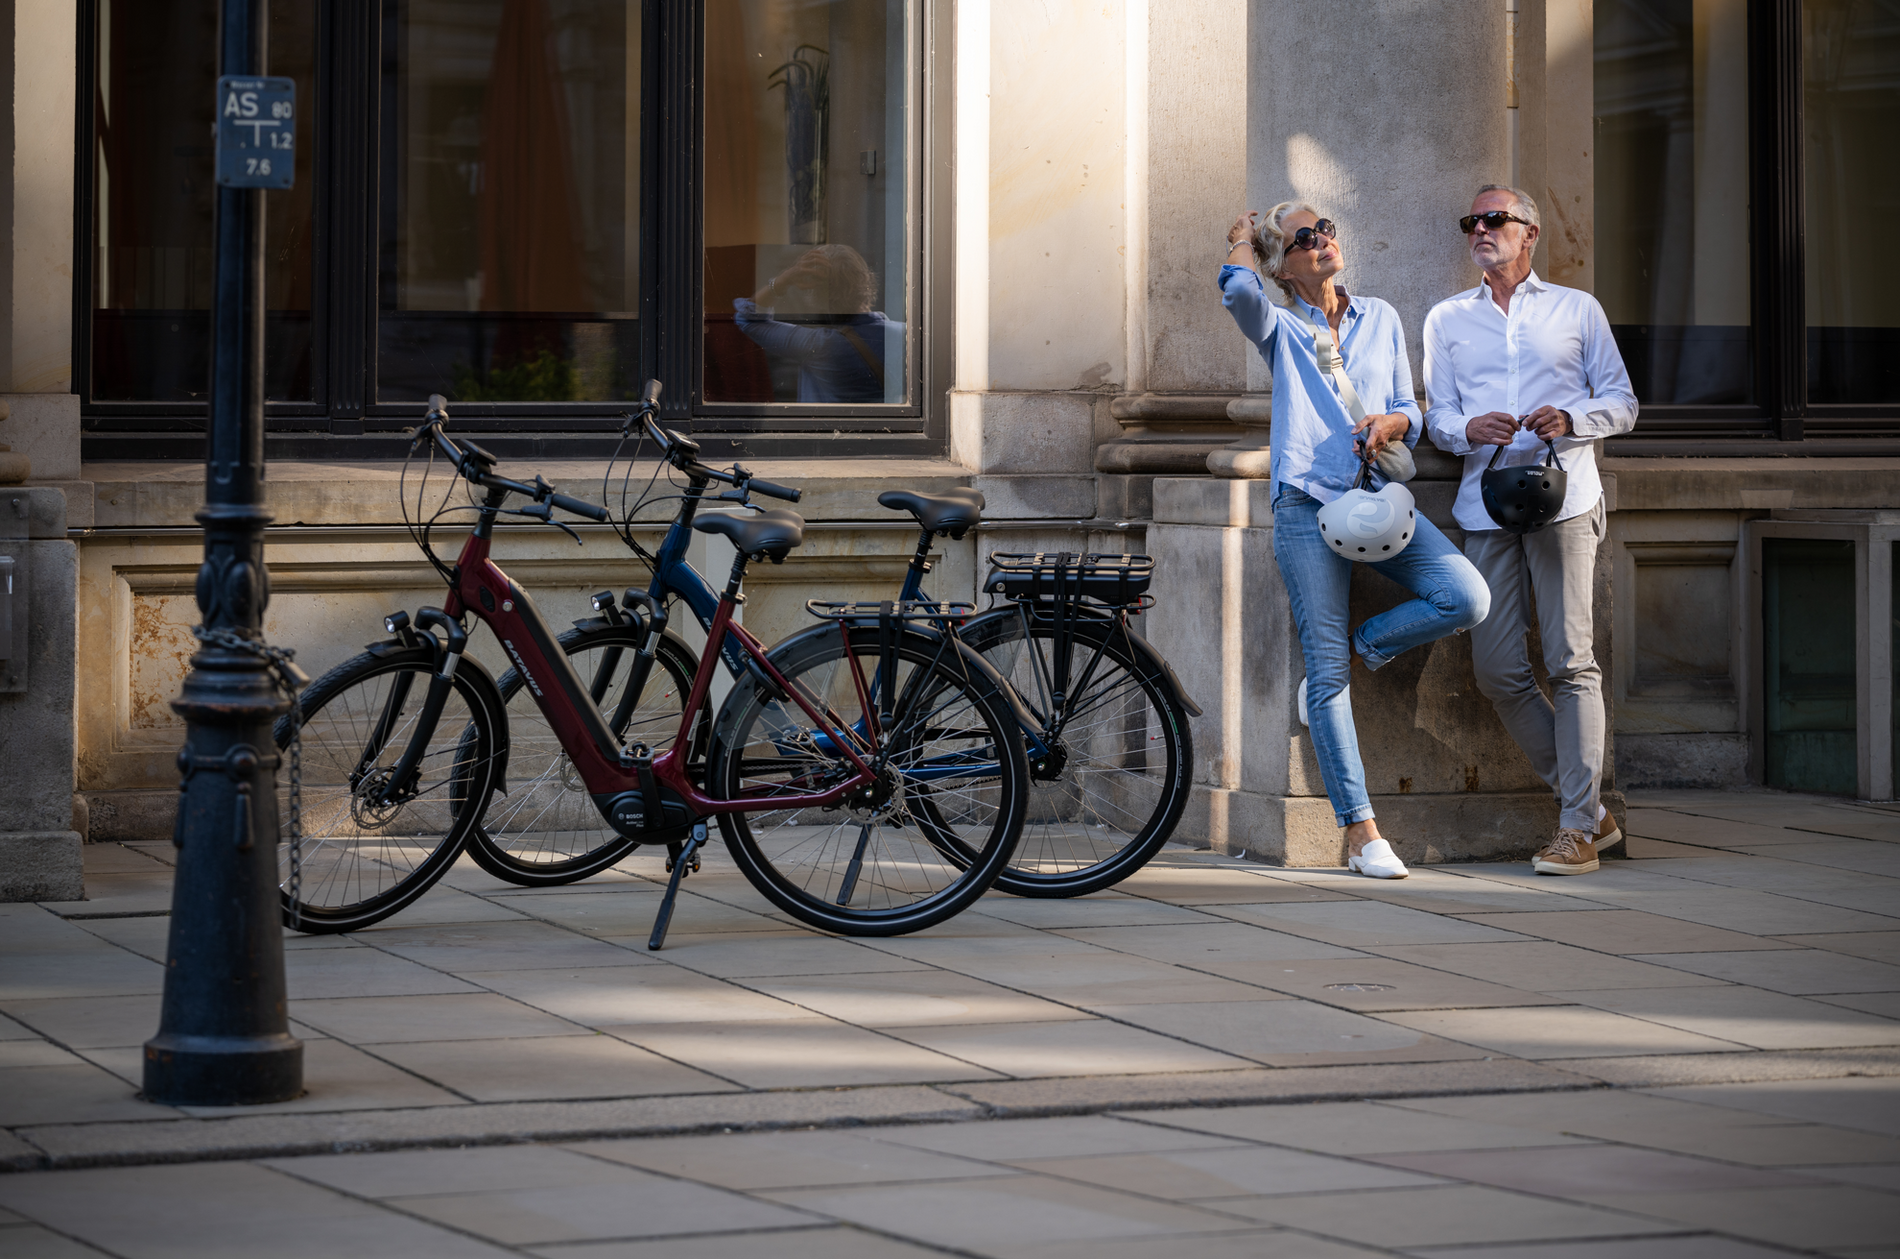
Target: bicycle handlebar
<point>679,452</point>
<point>472,462</point>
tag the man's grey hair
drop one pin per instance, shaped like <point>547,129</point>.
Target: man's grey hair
<point>1269,242</point>
<point>1525,208</point>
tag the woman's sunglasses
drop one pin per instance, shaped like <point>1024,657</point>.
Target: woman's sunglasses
<point>1308,237</point>
<point>1493,221</point>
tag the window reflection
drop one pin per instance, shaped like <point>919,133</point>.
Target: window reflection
<point>1851,111</point>
<point>806,177</point>
<point>153,184</point>
<point>511,241</point>
<point>1672,215</point>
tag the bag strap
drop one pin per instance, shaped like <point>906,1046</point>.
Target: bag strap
<point>1330,362</point>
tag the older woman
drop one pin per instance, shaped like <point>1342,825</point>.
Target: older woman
<point>1316,457</point>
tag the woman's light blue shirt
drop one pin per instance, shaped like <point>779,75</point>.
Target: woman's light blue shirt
<point>1312,430</point>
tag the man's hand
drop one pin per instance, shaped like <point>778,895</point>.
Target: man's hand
<point>1382,430</point>
<point>1548,423</point>
<point>1493,428</point>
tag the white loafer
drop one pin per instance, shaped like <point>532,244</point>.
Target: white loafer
<point>1303,720</point>
<point>1377,861</point>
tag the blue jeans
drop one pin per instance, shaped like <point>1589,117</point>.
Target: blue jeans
<point>1451,597</point>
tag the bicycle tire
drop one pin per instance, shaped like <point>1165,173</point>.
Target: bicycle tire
<point>808,861</point>
<point>1112,803</point>
<point>544,830</point>
<point>362,862</point>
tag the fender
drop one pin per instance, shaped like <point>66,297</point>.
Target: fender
<point>1145,652</point>
<point>973,661</point>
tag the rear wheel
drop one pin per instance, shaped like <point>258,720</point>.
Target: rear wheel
<point>545,829</point>
<point>1114,779</point>
<point>913,847</point>
<point>371,846</point>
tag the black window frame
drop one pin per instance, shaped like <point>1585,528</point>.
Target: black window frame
<point>345,422</point>
<point>1782,420</point>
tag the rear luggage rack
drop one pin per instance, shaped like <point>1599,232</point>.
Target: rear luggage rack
<point>901,609</point>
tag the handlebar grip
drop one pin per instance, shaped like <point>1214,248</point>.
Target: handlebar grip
<point>767,488</point>
<point>579,507</point>
<point>651,395</point>
<point>438,405</point>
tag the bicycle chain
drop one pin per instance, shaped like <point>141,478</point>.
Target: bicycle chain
<point>284,673</point>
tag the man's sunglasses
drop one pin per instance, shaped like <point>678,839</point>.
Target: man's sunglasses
<point>1493,221</point>
<point>1308,237</point>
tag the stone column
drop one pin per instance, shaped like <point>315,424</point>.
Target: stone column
<point>1187,126</point>
<point>39,844</point>
<point>1387,119</point>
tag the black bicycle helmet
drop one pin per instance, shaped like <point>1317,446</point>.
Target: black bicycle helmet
<point>1523,498</point>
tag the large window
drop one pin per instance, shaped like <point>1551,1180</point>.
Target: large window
<point>1743,180</point>
<point>530,207</point>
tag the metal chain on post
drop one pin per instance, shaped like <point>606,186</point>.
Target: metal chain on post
<point>291,680</point>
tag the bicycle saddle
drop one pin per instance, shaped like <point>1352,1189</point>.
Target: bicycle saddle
<point>771,534</point>
<point>953,512</point>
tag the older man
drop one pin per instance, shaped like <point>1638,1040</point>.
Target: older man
<point>1512,363</point>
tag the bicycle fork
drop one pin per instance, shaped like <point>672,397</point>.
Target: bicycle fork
<point>398,786</point>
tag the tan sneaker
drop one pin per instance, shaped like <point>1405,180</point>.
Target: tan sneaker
<point>1570,853</point>
<point>1607,836</point>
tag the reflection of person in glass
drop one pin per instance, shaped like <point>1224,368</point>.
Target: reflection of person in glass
<point>838,342</point>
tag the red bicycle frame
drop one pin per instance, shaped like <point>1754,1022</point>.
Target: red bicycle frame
<point>483,589</point>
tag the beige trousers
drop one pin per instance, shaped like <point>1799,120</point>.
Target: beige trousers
<point>1550,575</point>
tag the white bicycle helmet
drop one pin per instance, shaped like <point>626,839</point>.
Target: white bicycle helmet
<point>1366,526</point>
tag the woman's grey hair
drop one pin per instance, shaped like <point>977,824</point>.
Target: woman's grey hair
<point>1269,241</point>
<point>1525,207</point>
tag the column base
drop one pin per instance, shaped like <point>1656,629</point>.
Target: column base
<point>223,1070</point>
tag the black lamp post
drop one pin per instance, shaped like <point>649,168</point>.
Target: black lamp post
<point>224,1033</point>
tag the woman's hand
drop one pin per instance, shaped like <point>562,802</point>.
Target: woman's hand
<point>1382,430</point>
<point>1241,233</point>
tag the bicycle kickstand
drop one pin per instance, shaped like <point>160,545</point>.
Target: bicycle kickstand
<point>681,859</point>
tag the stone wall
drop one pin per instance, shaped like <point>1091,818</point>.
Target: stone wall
<point>39,830</point>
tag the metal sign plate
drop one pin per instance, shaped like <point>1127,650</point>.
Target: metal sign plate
<point>257,132</point>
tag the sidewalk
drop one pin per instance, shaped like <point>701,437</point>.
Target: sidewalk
<point>1437,1051</point>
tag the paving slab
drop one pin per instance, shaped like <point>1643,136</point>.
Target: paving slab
<point>1371,984</point>
<point>456,948</point>
<point>546,1068</point>
<point>1878,946</point>
<point>800,1053</point>
<point>787,1160</point>
<point>390,1020</point>
<point>978,1215</point>
<point>1749,1016</point>
<point>1069,1048</point>
<point>1812,1217</point>
<point>1625,932</point>
<point>1287,1032</point>
<point>1545,966</point>
<point>1206,947</point>
<point>1798,972</point>
<point>613,996</point>
<point>1572,1171</point>
<point>1540,1032</point>
<point>1203,1175</point>
<point>1686,1246</point>
<point>778,953</point>
<point>222,1209</point>
<point>1103,910</point>
<point>1354,1128</point>
<point>90,1022</point>
<point>801,1243</point>
<point>1443,1215</point>
<point>1872,1105</point>
<point>918,998</point>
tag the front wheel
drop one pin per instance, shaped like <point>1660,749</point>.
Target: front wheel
<point>370,845</point>
<point>1108,790</point>
<point>913,847</point>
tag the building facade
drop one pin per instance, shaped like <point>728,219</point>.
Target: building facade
<point>878,243</point>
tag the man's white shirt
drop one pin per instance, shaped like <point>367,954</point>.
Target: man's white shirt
<point>1554,348</point>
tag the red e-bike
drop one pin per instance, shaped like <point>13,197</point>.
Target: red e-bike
<point>840,773</point>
